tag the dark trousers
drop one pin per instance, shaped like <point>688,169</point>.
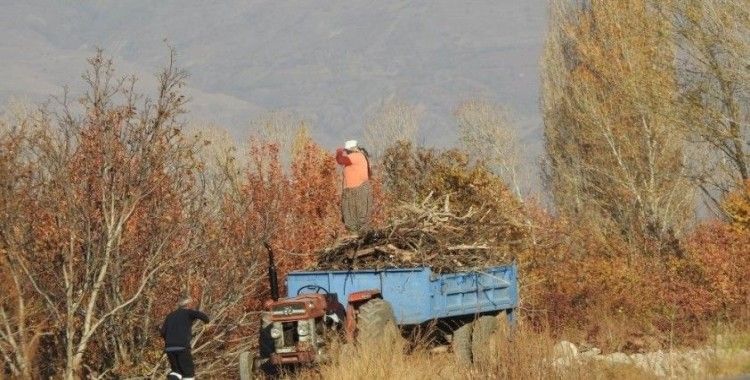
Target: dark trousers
<point>356,207</point>
<point>181,362</point>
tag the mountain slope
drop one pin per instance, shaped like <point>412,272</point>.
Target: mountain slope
<point>328,61</point>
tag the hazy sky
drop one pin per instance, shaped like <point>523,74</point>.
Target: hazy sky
<point>330,62</point>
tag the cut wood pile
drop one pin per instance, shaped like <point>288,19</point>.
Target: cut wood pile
<point>426,234</point>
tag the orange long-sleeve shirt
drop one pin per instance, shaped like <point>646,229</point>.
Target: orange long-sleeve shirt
<point>355,167</point>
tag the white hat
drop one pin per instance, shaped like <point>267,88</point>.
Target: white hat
<point>351,144</point>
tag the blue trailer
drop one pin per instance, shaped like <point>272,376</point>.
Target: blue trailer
<point>419,295</point>
<point>467,307</point>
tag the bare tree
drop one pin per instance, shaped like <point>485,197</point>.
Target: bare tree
<point>222,162</point>
<point>714,68</point>
<point>487,133</point>
<point>23,321</point>
<point>613,128</point>
<point>391,122</point>
<point>282,129</point>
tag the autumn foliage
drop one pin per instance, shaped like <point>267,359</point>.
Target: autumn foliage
<point>109,215</point>
<point>113,218</point>
<point>295,210</point>
<point>578,279</point>
<point>632,91</point>
<point>737,206</point>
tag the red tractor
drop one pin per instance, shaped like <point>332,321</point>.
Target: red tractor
<point>369,304</point>
<point>298,329</point>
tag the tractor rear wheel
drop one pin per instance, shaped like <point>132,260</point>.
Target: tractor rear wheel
<point>376,321</point>
<point>461,343</point>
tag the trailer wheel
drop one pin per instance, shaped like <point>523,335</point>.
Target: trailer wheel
<point>461,343</point>
<point>485,335</point>
<point>375,320</point>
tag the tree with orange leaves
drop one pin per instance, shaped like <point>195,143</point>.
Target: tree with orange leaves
<point>109,218</point>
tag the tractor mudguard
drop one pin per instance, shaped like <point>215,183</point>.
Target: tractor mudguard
<point>352,304</point>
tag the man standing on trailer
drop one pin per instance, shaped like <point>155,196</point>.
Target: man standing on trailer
<point>177,332</point>
<point>356,197</point>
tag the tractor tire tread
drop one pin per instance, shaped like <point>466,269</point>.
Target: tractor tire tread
<point>374,318</point>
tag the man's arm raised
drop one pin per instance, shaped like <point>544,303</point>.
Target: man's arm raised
<point>342,158</point>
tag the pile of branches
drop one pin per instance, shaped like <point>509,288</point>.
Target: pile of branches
<point>426,234</point>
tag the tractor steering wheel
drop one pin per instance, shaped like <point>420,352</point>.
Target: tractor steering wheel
<point>312,287</point>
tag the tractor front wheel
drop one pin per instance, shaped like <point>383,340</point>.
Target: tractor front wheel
<point>376,321</point>
<point>247,370</point>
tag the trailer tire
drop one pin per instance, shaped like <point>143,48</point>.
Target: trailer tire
<point>504,328</point>
<point>489,332</point>
<point>461,343</point>
<point>376,321</point>
<point>482,344</point>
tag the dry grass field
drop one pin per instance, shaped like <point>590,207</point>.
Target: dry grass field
<point>532,355</point>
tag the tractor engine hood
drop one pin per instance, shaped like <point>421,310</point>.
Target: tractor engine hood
<point>304,306</point>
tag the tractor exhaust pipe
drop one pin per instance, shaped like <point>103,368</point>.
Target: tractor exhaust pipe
<point>272,278</point>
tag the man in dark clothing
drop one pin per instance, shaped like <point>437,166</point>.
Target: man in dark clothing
<point>177,332</point>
